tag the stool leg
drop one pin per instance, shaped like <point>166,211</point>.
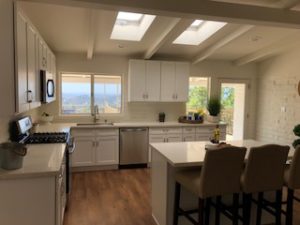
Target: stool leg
<point>278,206</point>
<point>176,203</point>
<point>259,207</point>
<point>200,211</point>
<point>218,212</point>
<point>289,207</point>
<point>247,208</point>
<point>235,209</point>
<point>207,210</point>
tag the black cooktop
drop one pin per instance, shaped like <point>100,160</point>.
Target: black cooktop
<point>49,137</point>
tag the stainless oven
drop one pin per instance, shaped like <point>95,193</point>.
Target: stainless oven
<point>47,87</point>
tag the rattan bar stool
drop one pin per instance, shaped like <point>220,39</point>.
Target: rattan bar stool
<point>219,176</point>
<point>264,172</point>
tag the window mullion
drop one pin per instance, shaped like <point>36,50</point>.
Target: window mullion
<point>92,94</point>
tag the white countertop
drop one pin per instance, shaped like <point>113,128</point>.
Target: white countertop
<point>182,154</point>
<point>40,160</point>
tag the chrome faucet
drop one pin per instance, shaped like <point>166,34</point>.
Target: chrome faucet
<point>96,114</point>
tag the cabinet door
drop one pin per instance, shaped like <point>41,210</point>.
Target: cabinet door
<point>21,64</point>
<point>53,66</point>
<point>182,81</point>
<point>137,80</point>
<point>107,150</point>
<point>32,74</point>
<point>42,55</point>
<point>84,152</point>
<point>49,59</point>
<point>152,81</point>
<point>168,81</point>
<point>174,138</point>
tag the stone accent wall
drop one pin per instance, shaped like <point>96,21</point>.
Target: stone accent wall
<point>278,101</point>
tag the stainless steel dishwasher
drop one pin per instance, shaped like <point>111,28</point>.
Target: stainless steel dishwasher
<point>134,146</point>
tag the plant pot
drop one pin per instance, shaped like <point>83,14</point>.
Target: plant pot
<point>213,119</point>
<point>46,119</point>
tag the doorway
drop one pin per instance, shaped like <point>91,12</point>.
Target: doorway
<point>233,100</point>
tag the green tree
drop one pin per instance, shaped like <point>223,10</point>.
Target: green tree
<point>197,98</point>
<point>227,99</point>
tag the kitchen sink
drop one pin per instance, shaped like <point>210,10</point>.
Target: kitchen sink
<point>95,124</point>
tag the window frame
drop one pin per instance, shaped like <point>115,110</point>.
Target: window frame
<point>61,114</point>
<point>208,89</point>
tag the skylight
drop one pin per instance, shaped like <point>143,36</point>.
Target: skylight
<point>131,26</point>
<point>198,32</point>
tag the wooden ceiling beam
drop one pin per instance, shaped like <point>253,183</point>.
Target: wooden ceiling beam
<point>219,44</point>
<point>91,34</point>
<point>273,49</point>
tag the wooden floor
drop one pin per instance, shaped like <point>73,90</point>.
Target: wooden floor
<point>120,197</point>
<point>110,198</point>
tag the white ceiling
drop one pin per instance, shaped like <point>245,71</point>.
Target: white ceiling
<point>67,29</point>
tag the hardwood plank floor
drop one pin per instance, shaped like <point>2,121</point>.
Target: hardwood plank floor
<point>110,198</point>
<point>119,197</point>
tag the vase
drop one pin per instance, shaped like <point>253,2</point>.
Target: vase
<point>213,119</point>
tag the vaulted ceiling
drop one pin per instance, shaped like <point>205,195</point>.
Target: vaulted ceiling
<point>85,30</point>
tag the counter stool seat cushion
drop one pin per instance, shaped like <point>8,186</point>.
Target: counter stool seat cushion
<point>292,172</point>
<point>190,179</point>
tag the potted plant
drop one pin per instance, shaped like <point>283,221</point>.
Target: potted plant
<point>297,133</point>
<point>213,108</point>
<point>46,118</point>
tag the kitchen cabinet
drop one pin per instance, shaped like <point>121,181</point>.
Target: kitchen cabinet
<point>174,81</point>
<point>107,150</point>
<point>95,147</point>
<point>30,56</point>
<point>33,200</point>
<point>144,80</point>
<point>84,154</point>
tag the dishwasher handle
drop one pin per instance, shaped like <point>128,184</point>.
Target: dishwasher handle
<point>133,129</point>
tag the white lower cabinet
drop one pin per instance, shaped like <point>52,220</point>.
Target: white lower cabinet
<point>84,152</point>
<point>95,147</point>
<point>107,150</point>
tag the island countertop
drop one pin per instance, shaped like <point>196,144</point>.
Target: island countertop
<point>182,154</point>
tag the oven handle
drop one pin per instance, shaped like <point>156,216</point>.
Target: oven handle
<point>71,147</point>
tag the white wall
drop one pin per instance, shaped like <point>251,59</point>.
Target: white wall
<point>278,80</point>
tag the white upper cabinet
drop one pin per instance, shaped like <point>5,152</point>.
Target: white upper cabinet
<point>21,63</point>
<point>182,71</point>
<point>156,81</point>
<point>144,80</point>
<point>174,81</point>
<point>32,55</point>
<point>168,82</point>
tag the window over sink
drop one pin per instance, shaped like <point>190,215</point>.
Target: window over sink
<point>81,92</point>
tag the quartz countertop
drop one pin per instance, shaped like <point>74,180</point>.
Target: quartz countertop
<point>182,154</point>
<point>40,160</point>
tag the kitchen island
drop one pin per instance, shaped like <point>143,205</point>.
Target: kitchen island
<point>167,158</point>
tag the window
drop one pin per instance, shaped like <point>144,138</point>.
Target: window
<point>81,92</point>
<point>198,93</point>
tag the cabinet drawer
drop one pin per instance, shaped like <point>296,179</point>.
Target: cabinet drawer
<point>189,130</point>
<point>205,130</point>
<point>82,132</point>
<point>202,137</point>
<point>189,137</point>
<point>173,138</point>
<point>165,130</point>
<point>107,132</point>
